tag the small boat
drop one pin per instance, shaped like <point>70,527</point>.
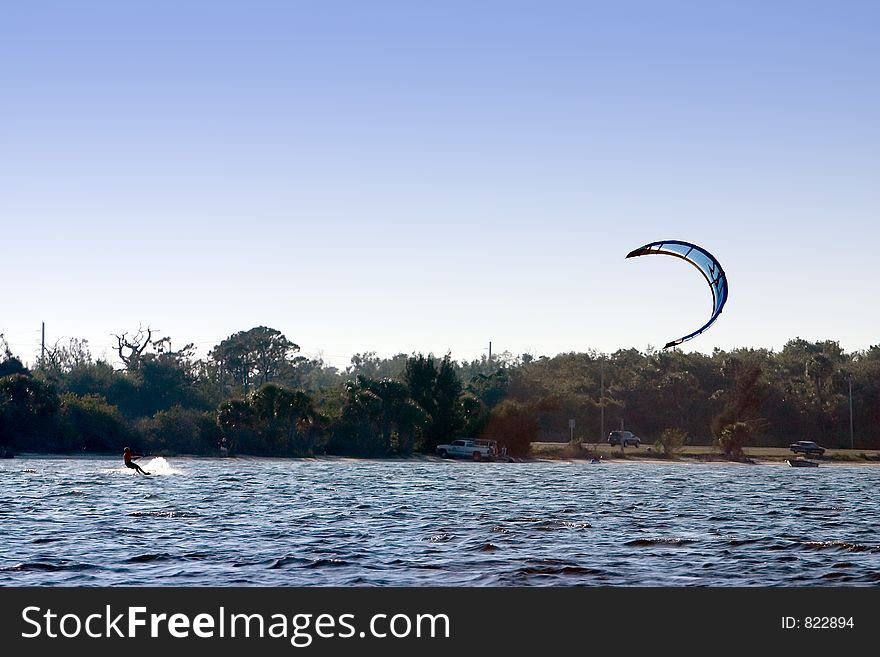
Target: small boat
<point>802,463</point>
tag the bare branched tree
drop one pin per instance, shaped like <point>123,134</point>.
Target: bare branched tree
<point>135,346</point>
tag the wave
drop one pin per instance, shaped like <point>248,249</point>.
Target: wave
<point>306,563</point>
<point>165,556</point>
<point>320,563</point>
<point>843,546</point>
<point>288,561</point>
<point>644,542</point>
<point>146,558</point>
<point>40,566</point>
<point>163,514</point>
<point>555,569</point>
<point>839,577</point>
<point>550,525</point>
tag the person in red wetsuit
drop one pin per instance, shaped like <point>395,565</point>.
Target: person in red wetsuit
<point>129,459</point>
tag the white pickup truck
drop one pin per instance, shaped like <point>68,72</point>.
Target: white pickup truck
<point>478,450</point>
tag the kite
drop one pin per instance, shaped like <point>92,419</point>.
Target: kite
<point>702,260</point>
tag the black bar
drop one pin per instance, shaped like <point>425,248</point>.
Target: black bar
<point>517,620</point>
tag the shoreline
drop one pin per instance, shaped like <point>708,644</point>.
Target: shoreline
<point>545,456</point>
<point>701,454</point>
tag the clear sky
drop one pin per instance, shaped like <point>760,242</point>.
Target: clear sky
<point>429,176</point>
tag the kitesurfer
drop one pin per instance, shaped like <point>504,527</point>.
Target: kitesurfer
<point>129,458</point>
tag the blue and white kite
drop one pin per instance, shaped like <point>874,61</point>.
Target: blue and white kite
<point>702,260</point>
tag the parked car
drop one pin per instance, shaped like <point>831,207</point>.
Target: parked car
<point>465,448</point>
<point>807,447</point>
<point>627,437</point>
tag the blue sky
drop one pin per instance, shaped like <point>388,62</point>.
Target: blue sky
<point>430,176</point>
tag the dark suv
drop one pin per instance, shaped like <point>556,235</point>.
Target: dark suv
<point>627,437</point>
<point>807,447</point>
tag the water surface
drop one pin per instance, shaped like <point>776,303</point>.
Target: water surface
<point>274,522</point>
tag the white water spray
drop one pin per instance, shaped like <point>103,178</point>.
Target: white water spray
<point>159,466</point>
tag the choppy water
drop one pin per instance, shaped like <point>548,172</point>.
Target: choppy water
<point>91,522</point>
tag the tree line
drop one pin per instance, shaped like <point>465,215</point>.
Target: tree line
<point>254,393</point>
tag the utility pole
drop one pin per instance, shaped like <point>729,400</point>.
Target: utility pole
<point>490,351</point>
<point>43,348</point>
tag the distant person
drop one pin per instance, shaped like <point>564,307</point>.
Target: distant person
<point>130,458</point>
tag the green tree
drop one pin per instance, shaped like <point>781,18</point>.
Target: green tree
<point>401,419</point>
<point>9,364</point>
<point>254,357</point>
<point>733,437</point>
<point>288,422</point>
<point>120,389</point>
<point>168,379</point>
<point>671,440</point>
<point>491,388</point>
<point>28,413</point>
<point>473,413</point>
<point>378,417</point>
<point>90,424</point>
<point>437,392</point>
<point>180,430</point>
<point>272,421</point>
<point>237,420</point>
<point>373,367</point>
<point>446,418</point>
